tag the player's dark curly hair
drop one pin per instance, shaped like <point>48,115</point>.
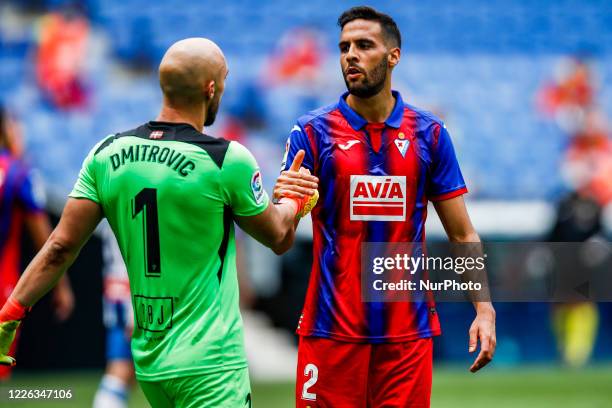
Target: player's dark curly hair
<point>388,25</point>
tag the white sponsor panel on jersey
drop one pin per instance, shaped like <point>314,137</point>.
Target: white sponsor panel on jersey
<point>378,198</point>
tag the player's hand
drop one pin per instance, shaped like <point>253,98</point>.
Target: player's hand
<point>298,185</point>
<point>297,182</point>
<point>483,331</point>
<point>7,335</point>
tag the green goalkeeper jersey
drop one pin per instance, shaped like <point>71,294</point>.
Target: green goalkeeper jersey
<point>169,193</point>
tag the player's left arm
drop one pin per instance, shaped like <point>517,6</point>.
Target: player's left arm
<point>459,228</point>
<point>446,189</point>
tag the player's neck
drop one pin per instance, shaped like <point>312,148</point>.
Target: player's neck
<point>193,117</point>
<point>375,109</point>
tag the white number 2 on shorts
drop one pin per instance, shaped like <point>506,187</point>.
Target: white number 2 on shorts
<point>312,371</point>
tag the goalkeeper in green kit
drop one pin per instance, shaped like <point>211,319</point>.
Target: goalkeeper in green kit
<point>171,195</point>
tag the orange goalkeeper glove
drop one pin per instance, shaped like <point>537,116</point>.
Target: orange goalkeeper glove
<point>10,316</point>
<point>303,205</point>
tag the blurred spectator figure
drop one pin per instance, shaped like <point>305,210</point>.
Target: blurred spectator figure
<point>570,94</point>
<point>570,99</point>
<point>298,58</point>
<point>576,324</point>
<point>572,85</point>
<point>294,77</point>
<point>60,57</point>
<point>587,167</point>
<point>21,203</point>
<point>587,172</point>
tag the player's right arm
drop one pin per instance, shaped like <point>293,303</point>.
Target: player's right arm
<point>275,227</point>
<point>272,224</point>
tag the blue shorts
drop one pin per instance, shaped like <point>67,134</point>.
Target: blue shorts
<point>117,344</point>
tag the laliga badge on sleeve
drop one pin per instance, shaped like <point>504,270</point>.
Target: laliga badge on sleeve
<point>257,187</point>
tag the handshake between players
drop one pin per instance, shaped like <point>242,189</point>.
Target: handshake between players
<point>295,187</point>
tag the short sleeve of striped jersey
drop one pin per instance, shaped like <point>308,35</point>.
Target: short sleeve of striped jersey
<point>241,182</point>
<point>85,186</point>
<point>446,180</point>
<point>298,140</point>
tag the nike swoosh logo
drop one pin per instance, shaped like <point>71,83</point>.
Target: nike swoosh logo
<point>294,128</point>
<point>348,144</point>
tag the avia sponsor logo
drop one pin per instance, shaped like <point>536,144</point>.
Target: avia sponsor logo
<point>378,198</point>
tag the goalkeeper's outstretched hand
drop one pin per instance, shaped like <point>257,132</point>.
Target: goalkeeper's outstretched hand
<point>11,315</point>
<point>7,335</point>
<point>298,185</point>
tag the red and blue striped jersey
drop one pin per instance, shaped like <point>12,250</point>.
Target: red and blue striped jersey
<point>17,199</point>
<point>375,182</point>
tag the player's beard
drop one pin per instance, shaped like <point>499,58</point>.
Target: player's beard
<point>211,111</point>
<point>373,81</point>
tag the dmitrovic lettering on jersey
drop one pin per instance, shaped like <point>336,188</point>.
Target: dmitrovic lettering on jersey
<point>169,193</point>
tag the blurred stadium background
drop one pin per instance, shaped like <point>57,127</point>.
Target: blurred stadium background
<point>524,87</point>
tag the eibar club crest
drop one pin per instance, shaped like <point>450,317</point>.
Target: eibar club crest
<point>402,146</point>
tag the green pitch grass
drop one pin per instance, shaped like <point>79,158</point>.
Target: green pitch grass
<point>533,387</point>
